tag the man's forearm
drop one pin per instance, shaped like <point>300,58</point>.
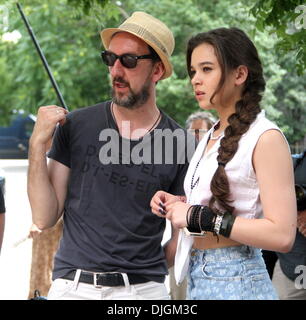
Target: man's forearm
<point>169,253</point>
<point>170,247</point>
<point>41,193</point>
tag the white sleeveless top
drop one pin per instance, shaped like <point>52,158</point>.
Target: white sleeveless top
<point>244,189</point>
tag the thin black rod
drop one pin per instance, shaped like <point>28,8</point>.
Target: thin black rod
<point>42,57</point>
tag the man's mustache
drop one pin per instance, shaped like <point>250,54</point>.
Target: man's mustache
<point>120,80</point>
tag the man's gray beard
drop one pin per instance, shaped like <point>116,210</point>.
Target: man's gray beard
<point>133,100</point>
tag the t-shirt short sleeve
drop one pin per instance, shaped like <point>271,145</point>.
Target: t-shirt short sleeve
<point>60,149</point>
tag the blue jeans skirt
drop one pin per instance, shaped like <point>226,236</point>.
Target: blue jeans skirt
<point>232,273</point>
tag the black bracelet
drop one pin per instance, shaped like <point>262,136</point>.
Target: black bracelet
<point>207,219</point>
<point>193,221</point>
<point>203,218</point>
<point>188,215</point>
<point>227,224</point>
<point>197,211</point>
<point>195,218</point>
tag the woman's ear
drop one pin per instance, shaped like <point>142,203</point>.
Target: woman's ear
<point>241,75</point>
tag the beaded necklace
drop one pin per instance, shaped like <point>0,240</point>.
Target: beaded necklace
<point>193,183</point>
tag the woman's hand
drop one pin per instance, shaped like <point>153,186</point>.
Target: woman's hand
<point>171,207</point>
<point>161,200</point>
<point>177,213</point>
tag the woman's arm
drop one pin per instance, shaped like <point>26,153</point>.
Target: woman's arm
<point>274,171</point>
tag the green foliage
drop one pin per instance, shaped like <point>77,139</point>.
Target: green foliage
<point>71,43</point>
<point>280,17</point>
<point>68,32</point>
<point>87,5</point>
<point>5,87</point>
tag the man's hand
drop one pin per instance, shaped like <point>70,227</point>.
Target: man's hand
<point>47,118</point>
<point>177,213</point>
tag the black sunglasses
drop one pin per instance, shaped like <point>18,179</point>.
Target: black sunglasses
<point>128,60</point>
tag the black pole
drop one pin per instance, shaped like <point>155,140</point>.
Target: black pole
<point>42,57</point>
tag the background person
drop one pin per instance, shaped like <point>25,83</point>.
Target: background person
<point>292,265</point>
<point>199,122</point>
<point>270,258</point>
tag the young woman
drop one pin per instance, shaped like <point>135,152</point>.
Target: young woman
<point>239,185</point>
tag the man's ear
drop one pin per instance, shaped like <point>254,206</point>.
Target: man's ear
<point>158,71</point>
<point>241,75</point>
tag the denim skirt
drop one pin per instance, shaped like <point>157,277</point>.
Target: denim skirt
<point>232,273</point>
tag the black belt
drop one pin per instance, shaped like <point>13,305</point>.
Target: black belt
<point>105,279</point>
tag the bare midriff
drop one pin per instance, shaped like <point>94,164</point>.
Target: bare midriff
<point>209,241</point>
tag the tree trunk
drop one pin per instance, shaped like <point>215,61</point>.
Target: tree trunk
<point>44,248</point>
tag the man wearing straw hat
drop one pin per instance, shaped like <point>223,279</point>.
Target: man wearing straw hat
<point>100,176</point>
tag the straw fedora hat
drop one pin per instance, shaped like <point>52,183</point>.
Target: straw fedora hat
<point>151,30</point>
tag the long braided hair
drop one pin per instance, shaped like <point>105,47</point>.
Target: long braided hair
<point>232,48</point>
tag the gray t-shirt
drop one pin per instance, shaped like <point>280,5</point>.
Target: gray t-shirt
<point>108,223</point>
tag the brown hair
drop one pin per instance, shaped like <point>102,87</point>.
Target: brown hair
<point>232,48</point>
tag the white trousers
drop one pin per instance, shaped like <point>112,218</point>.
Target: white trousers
<point>177,292</point>
<point>62,289</point>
